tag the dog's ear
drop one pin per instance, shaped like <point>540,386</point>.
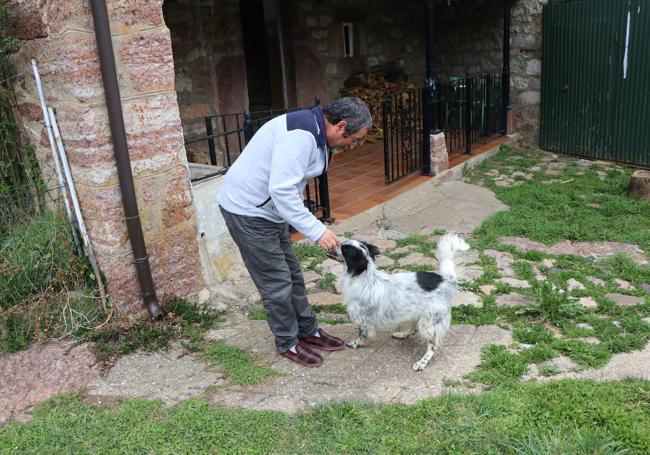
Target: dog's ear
<point>372,249</point>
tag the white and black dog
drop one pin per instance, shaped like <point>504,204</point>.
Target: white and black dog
<point>411,301</point>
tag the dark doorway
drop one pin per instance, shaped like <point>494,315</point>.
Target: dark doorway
<point>256,56</point>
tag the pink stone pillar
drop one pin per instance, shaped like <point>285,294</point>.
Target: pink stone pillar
<point>59,34</point>
<point>439,155</point>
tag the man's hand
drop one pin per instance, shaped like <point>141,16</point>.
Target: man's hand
<point>328,240</point>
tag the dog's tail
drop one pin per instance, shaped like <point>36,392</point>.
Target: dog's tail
<point>447,247</point>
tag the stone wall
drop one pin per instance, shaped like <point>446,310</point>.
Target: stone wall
<point>471,39</point>
<point>209,62</point>
<point>468,38</point>
<point>526,66</point>
<point>60,35</point>
<point>384,31</point>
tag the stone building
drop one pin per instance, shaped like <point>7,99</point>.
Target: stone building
<point>180,60</point>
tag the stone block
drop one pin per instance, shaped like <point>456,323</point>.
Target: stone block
<point>640,184</point>
<point>439,155</point>
<point>165,203</point>
<point>69,67</point>
<point>176,265</point>
<point>30,111</point>
<point>534,67</point>
<point>530,97</point>
<point>29,21</point>
<point>124,15</point>
<point>121,282</point>
<point>148,60</point>
<point>624,300</point>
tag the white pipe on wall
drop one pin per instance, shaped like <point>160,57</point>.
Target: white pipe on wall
<point>59,174</point>
<point>75,201</point>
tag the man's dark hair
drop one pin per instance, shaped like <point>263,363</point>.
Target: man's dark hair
<point>351,109</point>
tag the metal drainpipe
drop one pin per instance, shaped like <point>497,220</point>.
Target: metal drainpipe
<point>118,133</point>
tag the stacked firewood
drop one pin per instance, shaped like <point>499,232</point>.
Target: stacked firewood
<point>372,86</point>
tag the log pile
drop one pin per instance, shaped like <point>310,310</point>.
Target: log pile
<point>372,86</point>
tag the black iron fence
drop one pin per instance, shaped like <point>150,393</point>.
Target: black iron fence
<point>402,122</point>
<point>228,134</point>
<point>469,110</point>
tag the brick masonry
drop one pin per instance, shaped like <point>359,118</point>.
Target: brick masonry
<point>439,155</point>
<point>60,35</point>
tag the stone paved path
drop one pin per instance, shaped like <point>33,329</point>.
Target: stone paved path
<point>380,373</point>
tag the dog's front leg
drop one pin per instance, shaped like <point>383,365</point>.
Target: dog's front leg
<point>426,358</point>
<point>366,334</point>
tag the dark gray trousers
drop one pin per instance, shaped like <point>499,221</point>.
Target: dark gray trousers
<point>268,254</point>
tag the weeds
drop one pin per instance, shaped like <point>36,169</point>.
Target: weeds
<point>121,337</point>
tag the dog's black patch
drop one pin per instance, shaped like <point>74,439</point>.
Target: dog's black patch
<point>428,281</point>
<point>372,249</point>
<point>354,259</point>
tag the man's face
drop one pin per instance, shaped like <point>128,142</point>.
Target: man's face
<point>337,137</point>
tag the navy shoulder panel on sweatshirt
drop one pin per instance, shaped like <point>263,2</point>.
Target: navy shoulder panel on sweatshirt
<point>311,120</point>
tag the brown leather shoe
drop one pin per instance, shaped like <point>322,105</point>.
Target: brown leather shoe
<point>303,356</point>
<point>324,342</point>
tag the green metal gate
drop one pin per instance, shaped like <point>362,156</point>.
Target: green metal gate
<point>596,79</point>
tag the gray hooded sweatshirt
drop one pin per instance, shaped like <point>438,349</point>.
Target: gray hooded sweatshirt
<point>269,177</point>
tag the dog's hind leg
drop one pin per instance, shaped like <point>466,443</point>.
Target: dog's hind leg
<point>432,328</point>
<point>426,358</point>
<point>366,335</point>
<point>404,334</point>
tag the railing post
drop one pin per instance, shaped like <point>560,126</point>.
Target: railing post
<point>324,196</point>
<point>209,131</point>
<point>469,87</point>
<point>487,109</point>
<point>427,127</point>
<point>429,120</point>
<point>384,114</point>
<point>248,127</point>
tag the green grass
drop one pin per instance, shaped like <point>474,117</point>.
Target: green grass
<point>121,337</point>
<point>337,308</point>
<point>240,366</point>
<point>46,291</point>
<point>257,314</point>
<point>48,316</point>
<point>532,334</point>
<point>419,243</point>
<point>577,206</point>
<point>565,417</point>
<point>309,250</point>
<point>331,321</point>
<point>38,257</point>
<point>551,212</point>
<point>551,305</point>
<point>327,282</point>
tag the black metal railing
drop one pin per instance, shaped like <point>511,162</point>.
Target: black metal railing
<point>469,110</point>
<point>227,136</point>
<point>402,122</point>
